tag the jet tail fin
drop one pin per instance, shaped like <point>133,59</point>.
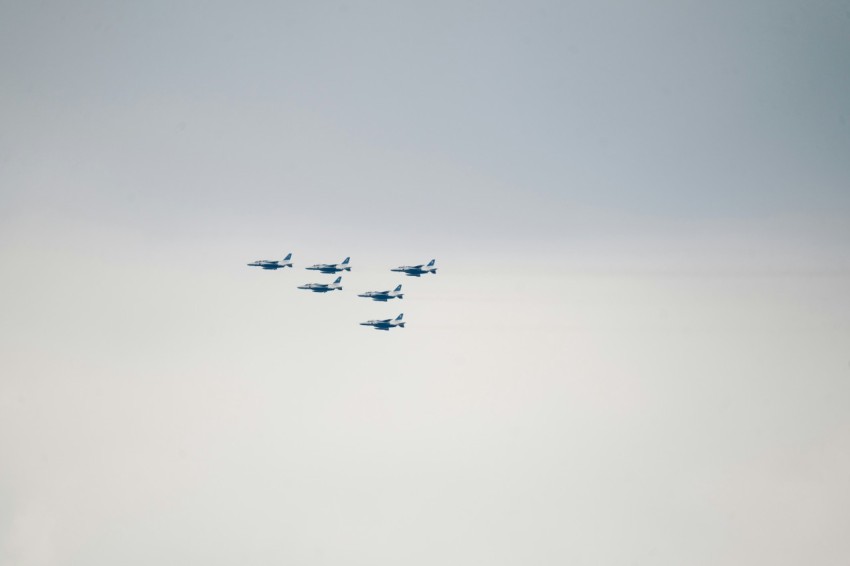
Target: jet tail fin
<point>288,257</point>
<point>399,316</point>
<point>338,279</point>
<point>397,289</point>
<point>431,263</point>
<point>346,260</point>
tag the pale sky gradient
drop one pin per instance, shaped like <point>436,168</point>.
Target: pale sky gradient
<point>636,351</point>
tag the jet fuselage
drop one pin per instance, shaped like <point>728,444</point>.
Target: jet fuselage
<point>331,267</point>
<point>416,270</point>
<point>323,287</point>
<point>385,324</point>
<point>383,296</point>
<point>273,263</point>
<point>270,264</point>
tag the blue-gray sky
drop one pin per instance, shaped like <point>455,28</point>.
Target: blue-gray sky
<point>636,349</point>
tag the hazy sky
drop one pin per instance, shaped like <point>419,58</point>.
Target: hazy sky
<point>636,350</point>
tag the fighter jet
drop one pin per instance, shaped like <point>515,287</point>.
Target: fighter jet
<point>384,295</point>
<point>273,263</point>
<point>323,287</point>
<point>384,324</point>
<point>331,267</point>
<point>417,270</point>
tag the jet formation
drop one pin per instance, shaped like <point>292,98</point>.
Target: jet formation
<point>345,265</point>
